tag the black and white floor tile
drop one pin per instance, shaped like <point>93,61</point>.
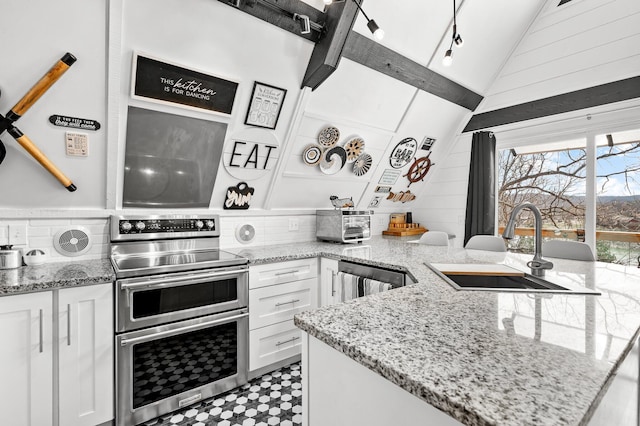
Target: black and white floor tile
<point>269,400</point>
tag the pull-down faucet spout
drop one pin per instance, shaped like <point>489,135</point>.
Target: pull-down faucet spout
<point>537,264</point>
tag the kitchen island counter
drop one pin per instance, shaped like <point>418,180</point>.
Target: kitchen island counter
<point>483,358</point>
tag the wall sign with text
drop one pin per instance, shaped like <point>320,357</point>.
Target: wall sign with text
<point>250,154</point>
<point>265,105</point>
<point>164,82</point>
<point>403,153</point>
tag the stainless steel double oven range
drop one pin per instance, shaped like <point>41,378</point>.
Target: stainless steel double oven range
<point>181,309</point>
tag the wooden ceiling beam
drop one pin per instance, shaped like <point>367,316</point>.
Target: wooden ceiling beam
<point>336,39</point>
<point>373,55</point>
<point>602,94</point>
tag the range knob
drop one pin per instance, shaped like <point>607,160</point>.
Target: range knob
<point>126,226</point>
<point>199,224</point>
<point>210,224</point>
<point>140,226</point>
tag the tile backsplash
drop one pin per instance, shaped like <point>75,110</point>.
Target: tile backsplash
<point>269,229</point>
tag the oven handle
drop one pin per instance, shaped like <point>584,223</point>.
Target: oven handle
<point>154,336</point>
<point>183,280</point>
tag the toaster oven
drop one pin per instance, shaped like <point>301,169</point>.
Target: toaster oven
<point>343,226</point>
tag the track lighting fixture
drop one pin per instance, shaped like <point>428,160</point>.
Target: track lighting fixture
<point>305,25</point>
<point>456,39</point>
<point>377,32</point>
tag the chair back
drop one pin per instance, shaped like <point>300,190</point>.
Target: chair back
<point>564,249</point>
<point>486,242</point>
<point>434,238</point>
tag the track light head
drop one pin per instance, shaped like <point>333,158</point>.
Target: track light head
<point>377,32</point>
<point>327,2</point>
<point>305,25</point>
<point>457,39</point>
<point>448,58</point>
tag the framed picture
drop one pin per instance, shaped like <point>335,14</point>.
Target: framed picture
<point>163,82</point>
<point>265,105</point>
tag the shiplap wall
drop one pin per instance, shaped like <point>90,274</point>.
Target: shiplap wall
<point>443,201</point>
<point>580,44</point>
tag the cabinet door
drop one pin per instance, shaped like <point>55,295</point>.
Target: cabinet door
<point>26,359</point>
<point>85,316</point>
<point>328,271</point>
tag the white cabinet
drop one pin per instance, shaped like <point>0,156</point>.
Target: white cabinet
<point>57,352</point>
<point>85,341</point>
<point>328,275</point>
<point>26,359</point>
<point>278,291</point>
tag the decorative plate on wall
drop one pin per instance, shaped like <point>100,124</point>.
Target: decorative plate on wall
<point>362,164</point>
<point>333,160</point>
<point>328,136</point>
<point>312,155</point>
<point>354,148</point>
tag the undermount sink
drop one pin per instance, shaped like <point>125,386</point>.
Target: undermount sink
<point>500,278</point>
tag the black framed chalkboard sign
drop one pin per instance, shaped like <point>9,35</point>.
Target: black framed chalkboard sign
<point>161,81</point>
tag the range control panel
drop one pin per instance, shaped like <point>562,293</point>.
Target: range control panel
<point>139,227</point>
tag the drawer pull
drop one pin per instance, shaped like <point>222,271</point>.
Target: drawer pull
<point>293,339</point>
<point>41,326</point>
<point>277,274</point>
<point>287,303</point>
<point>333,281</point>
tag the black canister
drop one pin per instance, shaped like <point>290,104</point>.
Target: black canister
<point>408,218</point>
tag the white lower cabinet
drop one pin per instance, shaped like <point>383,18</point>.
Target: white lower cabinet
<point>278,291</point>
<point>328,275</point>
<point>72,326</point>
<point>85,355</point>
<point>26,359</point>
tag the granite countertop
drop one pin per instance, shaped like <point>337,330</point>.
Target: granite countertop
<point>50,276</point>
<point>484,358</point>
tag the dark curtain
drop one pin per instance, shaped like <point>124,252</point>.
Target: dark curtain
<point>481,193</point>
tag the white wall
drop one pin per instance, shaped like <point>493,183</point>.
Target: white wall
<point>37,34</point>
<point>578,45</point>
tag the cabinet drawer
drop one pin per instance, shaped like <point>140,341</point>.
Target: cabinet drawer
<point>282,272</point>
<point>268,345</point>
<point>273,304</point>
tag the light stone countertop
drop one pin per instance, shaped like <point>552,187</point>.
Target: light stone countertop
<point>51,276</point>
<point>484,358</point>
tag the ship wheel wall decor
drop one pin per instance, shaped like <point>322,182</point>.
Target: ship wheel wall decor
<point>419,169</point>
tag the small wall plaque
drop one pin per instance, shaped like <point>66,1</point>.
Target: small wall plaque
<point>74,122</point>
<point>383,189</point>
<point>389,177</point>
<point>238,197</point>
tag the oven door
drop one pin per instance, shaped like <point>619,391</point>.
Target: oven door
<point>159,299</point>
<point>164,368</point>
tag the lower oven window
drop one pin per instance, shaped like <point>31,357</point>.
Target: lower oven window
<point>172,365</point>
<point>152,302</point>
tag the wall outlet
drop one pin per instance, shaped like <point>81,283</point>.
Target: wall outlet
<point>18,234</point>
<point>294,225</point>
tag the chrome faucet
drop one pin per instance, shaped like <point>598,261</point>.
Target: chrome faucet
<point>537,264</point>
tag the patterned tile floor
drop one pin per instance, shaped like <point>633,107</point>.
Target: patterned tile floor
<point>269,400</point>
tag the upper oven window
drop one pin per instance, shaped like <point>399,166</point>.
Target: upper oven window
<point>170,160</point>
<point>160,301</point>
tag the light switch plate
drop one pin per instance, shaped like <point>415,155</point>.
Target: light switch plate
<point>77,144</point>
<point>17,234</point>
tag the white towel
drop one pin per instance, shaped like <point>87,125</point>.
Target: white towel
<point>347,286</point>
<point>374,286</point>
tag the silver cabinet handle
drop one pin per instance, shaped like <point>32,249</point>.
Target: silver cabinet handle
<point>333,280</point>
<point>171,332</point>
<point>41,331</point>
<point>293,339</point>
<point>287,303</point>
<point>68,324</point>
<point>286,273</point>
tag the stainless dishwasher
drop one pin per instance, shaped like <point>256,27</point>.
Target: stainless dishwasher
<point>378,273</point>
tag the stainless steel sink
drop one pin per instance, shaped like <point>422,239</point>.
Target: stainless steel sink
<point>522,282</point>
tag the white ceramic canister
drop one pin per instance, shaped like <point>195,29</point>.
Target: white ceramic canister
<point>10,258</point>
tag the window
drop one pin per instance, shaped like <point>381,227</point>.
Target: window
<point>553,177</point>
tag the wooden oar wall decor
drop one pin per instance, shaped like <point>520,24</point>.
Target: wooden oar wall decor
<point>6,122</point>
